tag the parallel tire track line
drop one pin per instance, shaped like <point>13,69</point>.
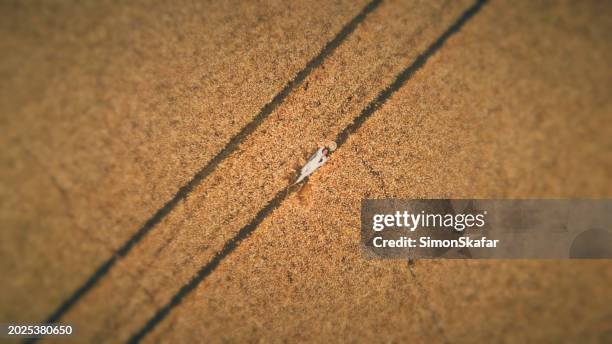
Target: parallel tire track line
<point>229,148</point>
<point>341,138</point>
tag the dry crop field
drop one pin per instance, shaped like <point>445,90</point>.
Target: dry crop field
<point>148,146</point>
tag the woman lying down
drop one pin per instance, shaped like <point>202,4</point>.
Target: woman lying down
<point>318,159</point>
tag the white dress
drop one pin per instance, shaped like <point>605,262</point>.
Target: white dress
<point>316,160</point>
